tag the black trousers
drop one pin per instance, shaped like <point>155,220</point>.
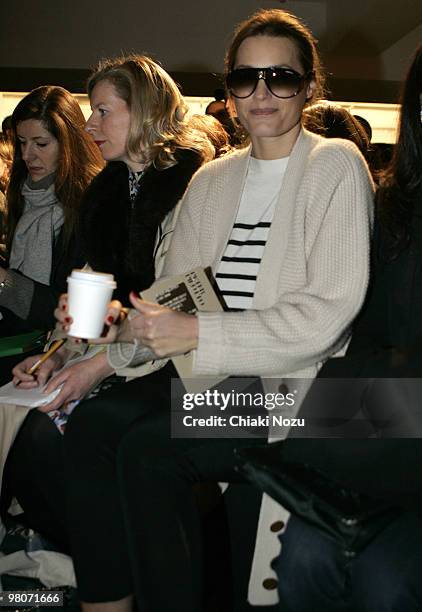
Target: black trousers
<point>133,518</point>
<point>34,474</point>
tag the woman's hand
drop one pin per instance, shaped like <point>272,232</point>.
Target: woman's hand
<point>114,328</point>
<point>62,315</point>
<point>42,374</point>
<point>165,331</point>
<point>77,381</point>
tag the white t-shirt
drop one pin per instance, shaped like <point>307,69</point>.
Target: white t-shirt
<point>238,269</point>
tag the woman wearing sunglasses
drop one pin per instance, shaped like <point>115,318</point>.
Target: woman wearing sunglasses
<point>362,551</point>
<point>284,224</point>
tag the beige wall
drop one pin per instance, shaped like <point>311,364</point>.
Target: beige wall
<point>382,117</point>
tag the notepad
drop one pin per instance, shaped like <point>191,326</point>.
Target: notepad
<point>9,394</point>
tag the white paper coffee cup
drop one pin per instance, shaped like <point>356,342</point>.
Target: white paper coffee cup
<point>89,294</point>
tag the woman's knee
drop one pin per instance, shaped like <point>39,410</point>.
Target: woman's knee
<point>37,430</point>
<point>37,442</point>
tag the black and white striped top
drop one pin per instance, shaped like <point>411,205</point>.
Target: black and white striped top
<point>238,269</point>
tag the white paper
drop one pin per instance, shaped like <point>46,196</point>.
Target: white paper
<point>9,394</point>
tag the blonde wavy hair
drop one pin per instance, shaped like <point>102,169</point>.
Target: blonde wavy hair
<point>157,109</point>
<point>6,156</point>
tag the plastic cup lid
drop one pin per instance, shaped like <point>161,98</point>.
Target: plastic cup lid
<point>92,277</point>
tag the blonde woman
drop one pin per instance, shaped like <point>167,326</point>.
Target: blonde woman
<point>127,218</point>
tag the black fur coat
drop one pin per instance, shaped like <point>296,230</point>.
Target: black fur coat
<point>119,237</point>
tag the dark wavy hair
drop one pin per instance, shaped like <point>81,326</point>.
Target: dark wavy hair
<point>79,157</point>
<point>333,121</point>
<point>400,194</point>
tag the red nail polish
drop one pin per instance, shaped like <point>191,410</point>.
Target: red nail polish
<point>64,307</point>
<point>110,320</point>
<point>134,294</point>
<point>67,319</point>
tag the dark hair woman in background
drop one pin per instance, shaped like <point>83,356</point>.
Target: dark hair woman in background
<point>54,162</point>
<point>374,562</point>
<point>284,224</point>
<point>334,121</point>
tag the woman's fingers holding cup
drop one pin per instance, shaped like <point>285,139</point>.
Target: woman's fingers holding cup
<point>115,313</point>
<point>64,320</point>
<point>63,305</point>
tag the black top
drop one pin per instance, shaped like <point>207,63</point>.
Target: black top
<point>119,233</point>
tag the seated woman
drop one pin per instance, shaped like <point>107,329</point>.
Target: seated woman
<point>284,224</point>
<point>127,217</point>
<point>374,562</point>
<point>54,161</point>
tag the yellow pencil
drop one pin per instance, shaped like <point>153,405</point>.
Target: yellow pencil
<point>53,348</point>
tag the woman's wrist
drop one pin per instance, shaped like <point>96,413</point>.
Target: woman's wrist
<point>103,368</point>
<point>124,333</point>
<point>61,356</point>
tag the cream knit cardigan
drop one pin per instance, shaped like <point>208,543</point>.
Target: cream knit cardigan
<point>314,271</point>
<point>310,286</point>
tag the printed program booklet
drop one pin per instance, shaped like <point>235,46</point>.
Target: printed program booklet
<point>191,292</point>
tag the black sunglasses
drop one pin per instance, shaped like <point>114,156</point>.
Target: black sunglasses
<point>281,82</point>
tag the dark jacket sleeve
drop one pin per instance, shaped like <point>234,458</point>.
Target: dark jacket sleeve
<point>45,297</point>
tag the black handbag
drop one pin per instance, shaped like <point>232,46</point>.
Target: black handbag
<point>348,517</point>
